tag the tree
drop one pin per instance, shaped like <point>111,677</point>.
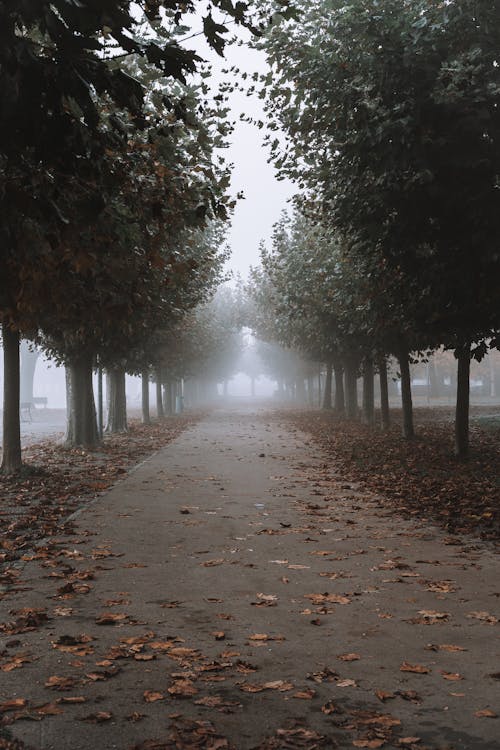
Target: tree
<point>58,63</point>
<point>393,117</point>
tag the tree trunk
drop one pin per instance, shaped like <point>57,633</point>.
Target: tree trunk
<point>404,367</point>
<point>100,403</point>
<point>252,387</point>
<point>327,395</point>
<point>462,406</point>
<point>351,387</point>
<point>225,388</point>
<point>81,428</point>
<point>11,456</point>
<point>310,391</point>
<point>159,401</point>
<point>338,370</point>
<point>300,391</point>
<point>368,392</point>
<point>169,401</point>
<point>29,358</point>
<point>117,408</point>
<point>146,417</point>
<point>385,418</point>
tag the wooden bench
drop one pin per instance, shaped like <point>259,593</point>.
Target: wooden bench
<point>41,400</point>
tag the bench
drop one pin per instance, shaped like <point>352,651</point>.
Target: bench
<point>41,400</point>
<point>25,411</point>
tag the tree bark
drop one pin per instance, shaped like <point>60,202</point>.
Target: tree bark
<point>117,409</point>
<point>327,395</point>
<point>300,391</point>
<point>146,417</point>
<point>159,401</point>
<point>169,400</point>
<point>462,404</point>
<point>351,388</point>
<point>81,428</point>
<point>406,399</point>
<point>339,404</point>
<point>11,456</point>
<point>368,392</point>
<point>385,419</point>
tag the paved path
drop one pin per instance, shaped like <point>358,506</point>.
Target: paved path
<point>232,589</point>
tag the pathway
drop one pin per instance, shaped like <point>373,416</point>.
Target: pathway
<point>233,592</point>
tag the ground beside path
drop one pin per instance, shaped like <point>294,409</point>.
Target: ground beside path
<point>234,592</point>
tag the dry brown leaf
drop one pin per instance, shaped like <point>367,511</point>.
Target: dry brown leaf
<point>383,695</point>
<point>219,635</point>
<point>110,618</point>
<point>346,683</point>
<point>349,657</point>
<point>326,597</point>
<point>415,668</point>
<point>13,704</point>
<point>98,718</point>
<point>15,662</point>
<point>484,617</point>
<point>452,676</point>
<point>48,709</point>
<point>403,741</point>
<point>329,708</point>
<point>183,689</point>
<point>369,743</point>
<point>61,683</point>
<point>305,694</point>
<point>151,696</point>
<point>135,716</point>
<point>486,713</point>
<point>212,563</point>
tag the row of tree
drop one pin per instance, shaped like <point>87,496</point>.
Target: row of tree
<point>113,193</point>
<point>391,115</point>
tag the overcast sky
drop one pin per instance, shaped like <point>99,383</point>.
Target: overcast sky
<point>265,196</point>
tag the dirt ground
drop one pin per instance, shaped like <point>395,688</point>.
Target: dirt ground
<point>235,591</point>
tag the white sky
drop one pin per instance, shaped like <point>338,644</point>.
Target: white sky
<point>265,196</point>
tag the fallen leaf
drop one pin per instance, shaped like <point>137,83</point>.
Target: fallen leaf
<point>305,694</point>
<point>329,708</point>
<point>349,657</point>
<point>453,676</point>
<point>486,713</point>
<point>48,709</point>
<point>212,563</point>
<point>484,617</point>
<point>13,704</point>
<point>409,740</point>
<point>219,635</point>
<point>151,696</point>
<point>331,598</point>
<point>61,683</point>
<point>98,718</point>
<point>383,695</point>
<point>416,668</point>
<point>182,689</point>
<point>110,618</point>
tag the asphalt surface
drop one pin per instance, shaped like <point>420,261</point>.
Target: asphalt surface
<point>235,580</point>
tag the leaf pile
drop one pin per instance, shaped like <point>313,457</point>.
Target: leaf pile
<point>421,477</point>
<point>58,480</point>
